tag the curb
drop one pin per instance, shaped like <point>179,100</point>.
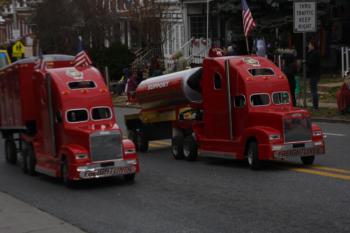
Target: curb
<point>327,120</point>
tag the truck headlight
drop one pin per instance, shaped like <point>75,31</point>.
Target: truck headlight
<point>81,156</point>
<point>317,133</point>
<point>274,137</point>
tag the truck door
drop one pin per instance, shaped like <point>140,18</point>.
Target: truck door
<point>46,124</point>
<point>215,104</point>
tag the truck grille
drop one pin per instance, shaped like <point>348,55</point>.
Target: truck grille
<point>105,145</point>
<point>297,129</point>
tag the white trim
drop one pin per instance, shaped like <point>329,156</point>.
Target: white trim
<point>109,108</point>
<point>250,99</point>
<point>74,109</point>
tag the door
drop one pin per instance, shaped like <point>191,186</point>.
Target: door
<point>216,112</point>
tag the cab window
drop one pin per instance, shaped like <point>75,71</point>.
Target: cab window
<point>261,72</point>
<point>81,84</point>
<point>239,101</point>
<point>77,115</point>
<point>217,81</point>
<point>280,98</point>
<point>101,113</point>
<point>260,99</point>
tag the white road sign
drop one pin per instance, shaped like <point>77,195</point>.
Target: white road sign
<point>305,16</point>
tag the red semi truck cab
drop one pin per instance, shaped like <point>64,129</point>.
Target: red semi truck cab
<point>65,120</point>
<point>233,107</point>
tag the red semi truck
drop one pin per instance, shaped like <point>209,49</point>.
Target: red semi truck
<point>232,107</point>
<point>59,118</point>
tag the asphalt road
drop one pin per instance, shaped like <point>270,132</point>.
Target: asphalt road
<point>210,195</point>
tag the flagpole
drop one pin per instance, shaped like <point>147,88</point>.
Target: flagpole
<point>246,42</point>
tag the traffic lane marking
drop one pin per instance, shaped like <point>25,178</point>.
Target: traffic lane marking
<point>335,134</point>
<point>320,173</point>
<point>325,171</point>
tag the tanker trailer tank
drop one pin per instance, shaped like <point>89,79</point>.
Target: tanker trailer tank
<point>170,89</point>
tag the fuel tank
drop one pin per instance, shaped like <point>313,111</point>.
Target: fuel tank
<point>171,89</point>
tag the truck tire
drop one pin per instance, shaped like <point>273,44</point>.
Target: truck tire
<point>308,160</point>
<point>64,175</point>
<point>10,151</point>
<point>129,178</point>
<point>177,147</point>
<point>141,141</point>
<point>190,149</point>
<point>30,159</point>
<point>253,156</point>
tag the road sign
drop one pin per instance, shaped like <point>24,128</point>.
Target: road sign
<point>305,16</point>
<point>18,49</point>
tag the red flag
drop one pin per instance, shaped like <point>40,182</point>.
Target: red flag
<point>248,21</point>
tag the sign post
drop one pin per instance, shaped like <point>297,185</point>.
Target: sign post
<point>304,20</point>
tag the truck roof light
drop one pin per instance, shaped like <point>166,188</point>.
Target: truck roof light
<point>65,92</point>
<point>84,91</point>
<point>103,90</point>
<point>249,79</point>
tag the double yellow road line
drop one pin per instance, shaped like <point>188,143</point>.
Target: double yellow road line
<point>337,173</point>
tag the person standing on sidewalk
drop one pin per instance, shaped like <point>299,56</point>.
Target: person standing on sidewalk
<point>313,63</point>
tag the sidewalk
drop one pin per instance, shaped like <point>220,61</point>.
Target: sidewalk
<point>19,217</point>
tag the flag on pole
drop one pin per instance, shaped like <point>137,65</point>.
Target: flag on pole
<point>82,59</point>
<point>248,21</point>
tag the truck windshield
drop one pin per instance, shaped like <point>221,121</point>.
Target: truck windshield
<point>259,99</point>
<point>280,97</point>
<point>77,115</point>
<point>101,113</point>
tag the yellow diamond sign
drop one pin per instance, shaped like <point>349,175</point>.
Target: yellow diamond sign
<point>18,49</point>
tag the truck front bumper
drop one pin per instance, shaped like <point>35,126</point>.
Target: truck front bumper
<point>113,168</point>
<point>297,150</point>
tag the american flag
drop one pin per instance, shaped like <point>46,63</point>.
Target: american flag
<point>248,21</point>
<point>82,59</point>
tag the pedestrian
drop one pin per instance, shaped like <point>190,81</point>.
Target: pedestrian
<point>313,63</point>
<point>180,61</point>
<point>290,70</point>
<point>125,78</point>
<point>155,69</point>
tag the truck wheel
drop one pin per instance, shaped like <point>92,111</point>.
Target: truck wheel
<point>177,147</point>
<point>253,156</point>
<point>10,151</point>
<point>129,178</point>
<point>308,160</point>
<point>190,149</point>
<point>141,142</point>
<point>30,159</point>
<point>65,175</point>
